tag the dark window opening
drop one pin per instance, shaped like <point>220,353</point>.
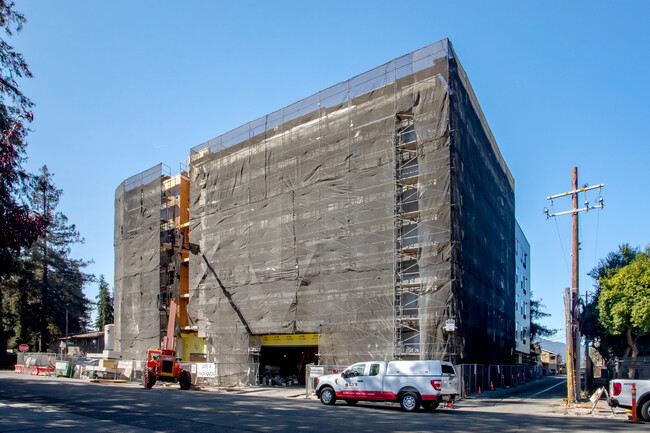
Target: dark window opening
<point>448,369</point>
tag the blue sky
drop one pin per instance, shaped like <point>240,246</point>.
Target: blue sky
<point>121,86</point>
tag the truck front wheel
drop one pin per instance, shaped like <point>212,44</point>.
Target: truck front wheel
<point>409,402</point>
<point>645,411</point>
<point>327,396</point>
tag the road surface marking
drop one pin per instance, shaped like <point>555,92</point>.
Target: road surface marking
<point>548,389</point>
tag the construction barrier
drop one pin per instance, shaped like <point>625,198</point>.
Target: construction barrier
<point>41,364</point>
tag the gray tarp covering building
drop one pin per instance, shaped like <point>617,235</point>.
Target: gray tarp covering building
<point>137,263</point>
<point>377,213</point>
<point>371,213</point>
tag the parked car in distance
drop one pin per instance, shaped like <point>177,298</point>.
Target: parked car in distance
<point>410,383</point>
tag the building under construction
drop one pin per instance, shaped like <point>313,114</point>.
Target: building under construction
<point>373,220</point>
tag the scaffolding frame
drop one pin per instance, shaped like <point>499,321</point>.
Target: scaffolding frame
<point>407,249</point>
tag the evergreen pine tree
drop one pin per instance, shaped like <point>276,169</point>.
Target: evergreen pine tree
<point>49,283</point>
<point>20,225</point>
<point>104,305</point>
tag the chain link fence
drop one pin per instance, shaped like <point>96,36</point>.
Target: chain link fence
<point>628,368</point>
<point>473,376</point>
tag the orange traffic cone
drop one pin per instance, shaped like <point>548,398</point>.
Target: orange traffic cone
<point>491,386</point>
<point>479,389</point>
<point>448,405</point>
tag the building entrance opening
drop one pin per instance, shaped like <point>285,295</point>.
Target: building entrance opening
<point>284,358</point>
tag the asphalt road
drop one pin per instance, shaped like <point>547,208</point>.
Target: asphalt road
<point>30,403</point>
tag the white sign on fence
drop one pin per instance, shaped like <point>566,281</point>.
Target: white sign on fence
<point>206,369</point>
<point>316,371</point>
<point>450,325</point>
<point>125,364</point>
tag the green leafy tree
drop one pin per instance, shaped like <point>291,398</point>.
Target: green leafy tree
<point>20,225</point>
<point>624,303</point>
<point>614,261</point>
<point>537,330</point>
<point>104,305</point>
<point>608,345</point>
<point>47,297</point>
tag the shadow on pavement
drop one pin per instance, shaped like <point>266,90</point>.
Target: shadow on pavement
<point>164,410</point>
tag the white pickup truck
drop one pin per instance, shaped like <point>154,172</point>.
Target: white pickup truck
<point>409,383</point>
<point>620,394</point>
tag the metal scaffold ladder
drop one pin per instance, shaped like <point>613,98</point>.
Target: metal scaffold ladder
<point>407,285</point>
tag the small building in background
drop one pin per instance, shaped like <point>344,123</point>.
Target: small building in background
<point>552,362</point>
<point>81,344</point>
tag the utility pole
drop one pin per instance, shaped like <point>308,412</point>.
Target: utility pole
<point>44,292</point>
<point>572,296</point>
<point>589,365</point>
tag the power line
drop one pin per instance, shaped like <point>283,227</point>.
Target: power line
<point>596,246</point>
<point>572,300</point>
<point>557,227</point>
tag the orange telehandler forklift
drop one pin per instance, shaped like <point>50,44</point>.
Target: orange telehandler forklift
<point>161,363</point>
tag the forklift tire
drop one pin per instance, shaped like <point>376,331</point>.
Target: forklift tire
<point>149,378</point>
<point>185,379</point>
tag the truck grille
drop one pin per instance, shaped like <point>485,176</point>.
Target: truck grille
<point>167,366</point>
